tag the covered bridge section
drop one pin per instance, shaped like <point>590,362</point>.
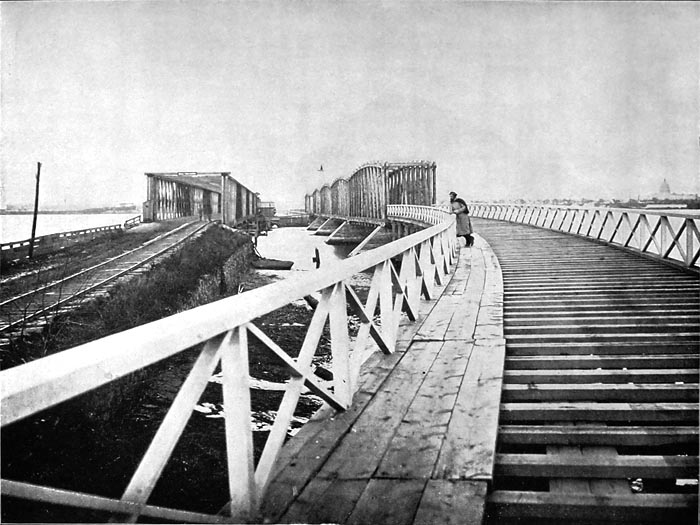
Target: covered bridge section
<point>214,195</point>
<point>373,186</point>
<point>355,209</point>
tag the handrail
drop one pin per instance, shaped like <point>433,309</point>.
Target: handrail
<point>672,237</point>
<point>649,211</point>
<point>13,245</point>
<point>130,223</point>
<point>223,327</point>
<point>424,214</point>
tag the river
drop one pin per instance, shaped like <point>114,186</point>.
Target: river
<point>299,245</point>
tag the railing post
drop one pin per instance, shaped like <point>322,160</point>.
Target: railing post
<point>427,269</point>
<point>386,305</point>
<point>239,437</point>
<point>340,345</point>
<point>688,242</point>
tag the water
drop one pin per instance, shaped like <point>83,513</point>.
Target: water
<point>299,245</point>
<point>19,227</point>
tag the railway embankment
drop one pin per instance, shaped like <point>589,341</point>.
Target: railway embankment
<point>204,269</point>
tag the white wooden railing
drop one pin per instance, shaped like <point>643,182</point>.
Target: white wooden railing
<point>424,214</point>
<point>670,236</point>
<point>223,329</point>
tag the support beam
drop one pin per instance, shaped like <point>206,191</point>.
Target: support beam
<point>360,246</point>
<point>329,226</point>
<point>318,221</point>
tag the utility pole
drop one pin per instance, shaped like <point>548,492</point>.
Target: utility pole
<point>36,209</point>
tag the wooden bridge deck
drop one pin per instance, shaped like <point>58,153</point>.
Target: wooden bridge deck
<point>598,398</point>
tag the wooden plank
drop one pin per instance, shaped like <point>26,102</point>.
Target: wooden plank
<point>603,337</point>
<point>584,411</point>
<point>414,449</point>
<point>606,487</point>
<point>462,274</point>
<point>305,453</point>
<point>611,392</point>
<point>408,330</point>
<point>655,317</point>
<point>435,326</point>
<point>558,362</point>
<point>450,502</point>
<point>569,466</point>
<point>304,457</point>
<point>597,435</point>
<point>462,325</point>
<point>377,369</point>
<point>372,374</point>
<point>388,501</point>
<point>635,508</point>
<point>326,501</point>
<point>603,348</point>
<point>568,484</point>
<point>469,447</point>
<point>360,451</point>
<point>601,329</point>
<point>668,375</point>
<point>466,312</point>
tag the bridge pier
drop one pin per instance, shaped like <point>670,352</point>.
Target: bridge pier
<point>402,229</point>
<point>350,233</point>
<point>318,221</point>
<point>329,226</point>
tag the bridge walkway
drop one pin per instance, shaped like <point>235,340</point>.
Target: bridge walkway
<point>403,453</point>
<point>587,411</point>
<point>599,409</point>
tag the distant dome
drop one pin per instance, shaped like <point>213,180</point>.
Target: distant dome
<point>664,188</point>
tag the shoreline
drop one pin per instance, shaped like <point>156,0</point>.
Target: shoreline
<point>99,211</point>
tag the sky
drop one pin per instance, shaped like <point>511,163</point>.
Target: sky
<point>510,99</point>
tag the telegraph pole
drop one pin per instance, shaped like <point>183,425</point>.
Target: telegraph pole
<point>36,209</point>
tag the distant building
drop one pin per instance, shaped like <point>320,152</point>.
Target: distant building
<point>267,209</point>
<point>665,193</point>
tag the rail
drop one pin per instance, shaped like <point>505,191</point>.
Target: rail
<point>28,316</point>
<point>670,236</point>
<point>223,329</point>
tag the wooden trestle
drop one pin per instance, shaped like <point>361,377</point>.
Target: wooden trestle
<point>586,412</point>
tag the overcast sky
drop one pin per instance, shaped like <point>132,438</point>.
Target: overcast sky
<point>511,100</point>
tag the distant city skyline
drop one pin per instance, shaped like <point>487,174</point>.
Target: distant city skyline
<point>510,99</point>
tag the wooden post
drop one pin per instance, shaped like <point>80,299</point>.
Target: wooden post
<point>239,437</point>
<point>36,210</point>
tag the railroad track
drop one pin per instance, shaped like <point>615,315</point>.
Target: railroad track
<point>36,307</point>
<point>599,408</point>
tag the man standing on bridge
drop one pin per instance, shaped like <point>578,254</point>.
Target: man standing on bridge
<point>464,224</point>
